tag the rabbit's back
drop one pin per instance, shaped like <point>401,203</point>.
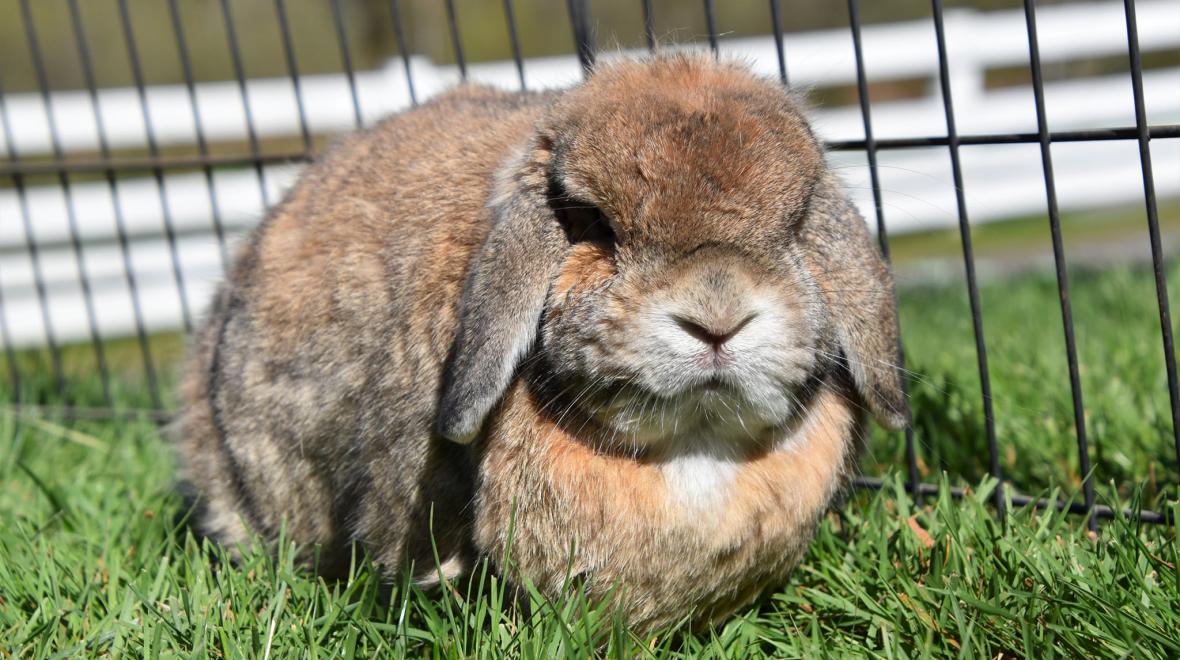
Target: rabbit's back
<point>309,400</point>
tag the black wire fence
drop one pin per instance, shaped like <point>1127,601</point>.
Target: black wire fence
<point>112,168</point>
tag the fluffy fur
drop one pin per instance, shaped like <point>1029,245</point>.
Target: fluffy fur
<point>636,323</point>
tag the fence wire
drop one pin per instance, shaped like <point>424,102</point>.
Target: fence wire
<point>111,168</point>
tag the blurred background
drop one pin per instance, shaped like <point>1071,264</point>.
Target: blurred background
<point>142,138</point>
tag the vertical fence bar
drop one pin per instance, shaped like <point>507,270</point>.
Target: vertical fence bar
<point>235,53</point>
<point>777,26</point>
<point>1153,223</point>
<point>456,42</point>
<point>649,26</point>
<point>34,253</point>
<point>5,335</point>
<point>583,38</point>
<point>71,216</point>
<point>711,26</point>
<point>403,47</point>
<point>9,354</point>
<point>1075,385</point>
<point>30,240</point>
<point>346,60</point>
<point>514,41</point>
<point>18,183</point>
<point>157,172</point>
<point>198,129</point>
<point>952,133</point>
<point>862,86</point>
<point>293,73</point>
<point>39,279</point>
<point>104,148</point>
<point>39,283</point>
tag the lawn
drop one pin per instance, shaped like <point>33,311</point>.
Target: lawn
<point>95,558</point>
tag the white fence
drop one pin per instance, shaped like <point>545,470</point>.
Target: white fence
<point>1000,181</point>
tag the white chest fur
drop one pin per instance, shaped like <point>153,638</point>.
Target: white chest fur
<point>704,477</point>
<point>699,480</point>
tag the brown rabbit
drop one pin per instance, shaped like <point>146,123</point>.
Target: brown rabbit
<point>645,299</point>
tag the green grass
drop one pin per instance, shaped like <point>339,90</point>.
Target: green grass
<point>1122,376</point>
<point>93,558</point>
<point>93,561</point>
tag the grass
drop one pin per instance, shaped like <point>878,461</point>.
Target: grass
<point>1121,372</point>
<point>93,561</point>
<point>94,558</point>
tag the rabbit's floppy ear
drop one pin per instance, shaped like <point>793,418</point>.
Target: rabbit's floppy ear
<point>503,299</point>
<point>857,288</point>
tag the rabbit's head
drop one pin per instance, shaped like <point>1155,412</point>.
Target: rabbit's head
<point>670,253</point>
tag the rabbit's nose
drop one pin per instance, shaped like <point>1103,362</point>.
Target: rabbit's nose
<point>713,334</point>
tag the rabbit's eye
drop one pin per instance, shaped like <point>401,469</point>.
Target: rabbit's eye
<point>582,221</point>
<point>585,223</point>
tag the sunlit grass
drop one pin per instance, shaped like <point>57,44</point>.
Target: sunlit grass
<point>95,559</point>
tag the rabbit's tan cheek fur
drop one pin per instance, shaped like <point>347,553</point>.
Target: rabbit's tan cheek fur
<point>588,266</point>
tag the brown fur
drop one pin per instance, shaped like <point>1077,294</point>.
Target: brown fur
<point>427,267</point>
<point>324,348</point>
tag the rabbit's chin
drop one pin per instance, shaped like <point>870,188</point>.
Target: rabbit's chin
<point>733,419</point>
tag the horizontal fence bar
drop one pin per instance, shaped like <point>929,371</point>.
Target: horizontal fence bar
<point>123,165</point>
<point>1089,135</point>
<point>1101,511</point>
<point>88,414</point>
<point>140,164</point>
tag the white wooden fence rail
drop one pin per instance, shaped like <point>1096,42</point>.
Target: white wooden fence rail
<point>1000,181</point>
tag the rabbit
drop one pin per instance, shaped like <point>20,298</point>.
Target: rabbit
<point>629,333</point>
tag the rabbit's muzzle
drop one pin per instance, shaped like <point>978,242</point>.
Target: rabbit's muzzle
<point>711,340</point>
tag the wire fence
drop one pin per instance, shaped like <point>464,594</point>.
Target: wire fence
<point>111,166</point>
